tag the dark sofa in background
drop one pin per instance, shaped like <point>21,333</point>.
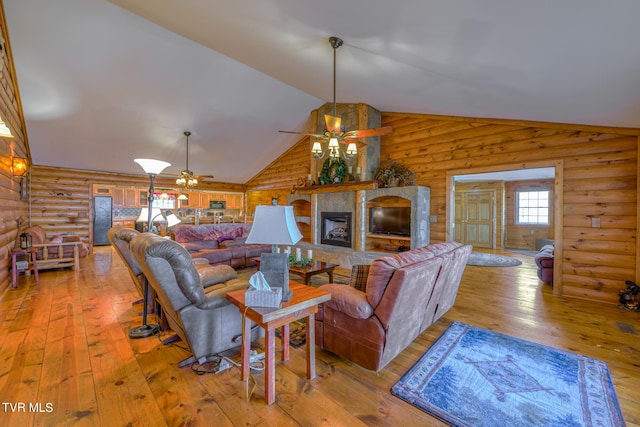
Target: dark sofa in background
<point>220,243</point>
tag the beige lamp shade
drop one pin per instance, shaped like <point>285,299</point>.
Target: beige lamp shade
<point>275,225</point>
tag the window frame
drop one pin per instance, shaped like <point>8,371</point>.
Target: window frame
<point>518,192</point>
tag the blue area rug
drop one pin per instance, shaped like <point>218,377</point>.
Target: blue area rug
<point>475,377</point>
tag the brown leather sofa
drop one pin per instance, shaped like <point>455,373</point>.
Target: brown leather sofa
<point>220,243</point>
<point>383,310</point>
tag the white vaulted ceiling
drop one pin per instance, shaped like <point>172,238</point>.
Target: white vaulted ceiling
<point>103,82</point>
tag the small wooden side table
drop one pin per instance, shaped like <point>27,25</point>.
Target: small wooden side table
<point>14,269</point>
<point>303,304</point>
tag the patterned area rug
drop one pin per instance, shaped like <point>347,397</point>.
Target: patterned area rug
<point>491,260</point>
<point>475,377</point>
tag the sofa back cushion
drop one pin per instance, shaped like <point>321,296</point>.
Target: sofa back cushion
<point>37,233</point>
<point>383,268</point>
<point>189,233</point>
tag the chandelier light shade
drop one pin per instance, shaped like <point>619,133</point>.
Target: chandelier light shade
<point>274,225</point>
<point>152,166</point>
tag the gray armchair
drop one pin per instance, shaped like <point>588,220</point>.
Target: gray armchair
<point>120,236</point>
<point>201,318</point>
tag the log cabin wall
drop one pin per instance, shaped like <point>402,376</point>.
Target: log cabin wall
<point>277,180</point>
<point>61,198</point>
<point>518,236</point>
<point>13,207</point>
<point>599,182</point>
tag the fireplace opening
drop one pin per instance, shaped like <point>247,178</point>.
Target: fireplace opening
<point>336,228</point>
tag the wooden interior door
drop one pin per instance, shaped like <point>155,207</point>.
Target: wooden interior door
<point>474,218</point>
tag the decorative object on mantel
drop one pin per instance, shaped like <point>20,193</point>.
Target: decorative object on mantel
<point>333,188</point>
<point>333,171</point>
<point>394,174</point>
<point>335,134</point>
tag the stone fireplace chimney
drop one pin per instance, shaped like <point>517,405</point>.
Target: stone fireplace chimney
<point>354,117</point>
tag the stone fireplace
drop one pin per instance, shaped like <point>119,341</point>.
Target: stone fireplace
<point>314,203</point>
<point>335,228</point>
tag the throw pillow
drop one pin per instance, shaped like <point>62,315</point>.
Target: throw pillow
<point>359,273</point>
<point>225,237</point>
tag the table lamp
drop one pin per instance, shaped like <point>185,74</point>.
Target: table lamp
<point>275,225</point>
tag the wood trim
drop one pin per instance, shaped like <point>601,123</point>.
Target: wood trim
<point>558,200</point>
<point>524,123</point>
<point>333,188</point>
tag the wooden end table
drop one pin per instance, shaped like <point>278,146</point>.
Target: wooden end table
<point>303,304</point>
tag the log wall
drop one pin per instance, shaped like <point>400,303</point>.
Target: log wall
<point>13,208</point>
<point>519,236</point>
<point>598,180</point>
<point>61,198</point>
<point>598,176</point>
<point>280,177</point>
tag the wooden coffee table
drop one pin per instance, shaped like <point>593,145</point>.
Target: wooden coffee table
<point>316,267</point>
<point>305,272</point>
<point>303,304</point>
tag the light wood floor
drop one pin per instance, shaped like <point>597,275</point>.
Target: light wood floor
<point>65,350</point>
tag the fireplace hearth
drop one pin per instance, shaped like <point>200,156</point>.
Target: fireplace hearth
<point>336,228</point>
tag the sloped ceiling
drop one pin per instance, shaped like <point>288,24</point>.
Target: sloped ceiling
<point>104,82</point>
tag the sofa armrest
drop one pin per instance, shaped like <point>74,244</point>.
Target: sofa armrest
<point>213,274</point>
<point>348,300</point>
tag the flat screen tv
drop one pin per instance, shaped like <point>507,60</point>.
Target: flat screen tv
<point>390,220</point>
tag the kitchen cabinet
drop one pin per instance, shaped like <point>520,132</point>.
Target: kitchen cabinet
<point>102,190</point>
<point>143,198</point>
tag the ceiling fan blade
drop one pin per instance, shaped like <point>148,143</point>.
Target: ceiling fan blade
<point>204,176</point>
<point>364,133</point>
<point>302,133</point>
<point>333,123</point>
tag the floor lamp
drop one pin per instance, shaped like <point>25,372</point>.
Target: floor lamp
<point>153,168</point>
<point>275,225</point>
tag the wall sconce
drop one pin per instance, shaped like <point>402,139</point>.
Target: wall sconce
<point>19,167</point>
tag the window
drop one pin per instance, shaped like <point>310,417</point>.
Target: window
<point>532,207</point>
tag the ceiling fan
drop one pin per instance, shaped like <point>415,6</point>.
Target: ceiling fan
<point>187,179</point>
<point>334,125</point>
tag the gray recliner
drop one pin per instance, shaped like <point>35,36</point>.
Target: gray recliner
<point>120,236</point>
<point>203,319</point>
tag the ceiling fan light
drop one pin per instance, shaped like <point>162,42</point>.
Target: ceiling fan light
<point>317,148</point>
<point>193,182</point>
<point>333,143</point>
<point>181,181</point>
<point>352,150</point>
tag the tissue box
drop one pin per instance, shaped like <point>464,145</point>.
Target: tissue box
<point>270,298</point>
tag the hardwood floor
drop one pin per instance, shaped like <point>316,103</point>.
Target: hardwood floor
<point>66,356</point>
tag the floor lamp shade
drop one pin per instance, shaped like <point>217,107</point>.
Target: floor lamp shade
<point>275,225</point>
<point>152,166</point>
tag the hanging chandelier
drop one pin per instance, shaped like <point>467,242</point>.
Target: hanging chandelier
<point>187,180</point>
